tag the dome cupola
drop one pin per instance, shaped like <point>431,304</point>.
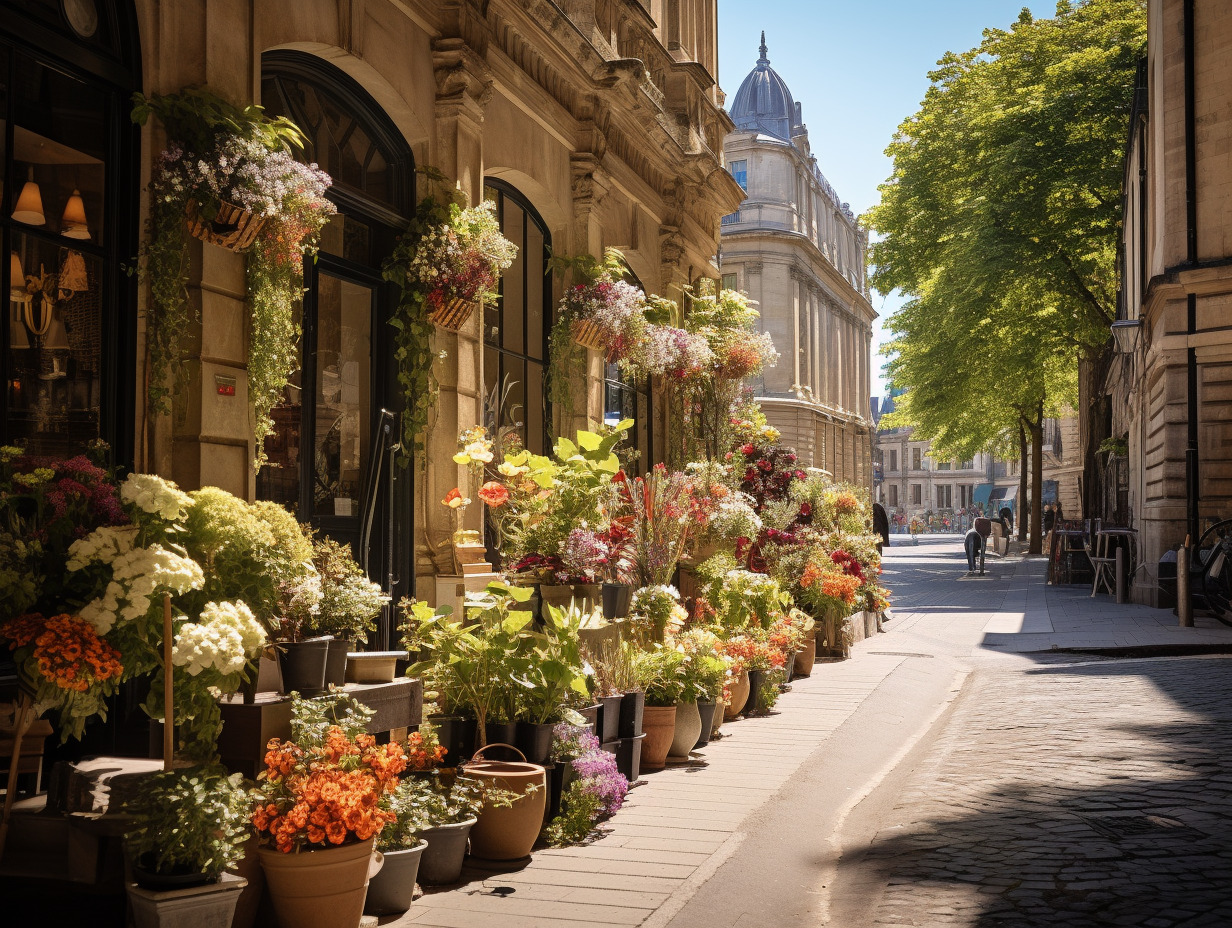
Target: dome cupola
<point>763,103</point>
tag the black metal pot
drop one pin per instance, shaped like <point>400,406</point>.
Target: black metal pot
<point>616,600</point>
<point>757,679</point>
<point>457,737</point>
<point>303,665</point>
<point>631,706</point>
<point>706,710</point>
<point>609,717</point>
<point>534,739</point>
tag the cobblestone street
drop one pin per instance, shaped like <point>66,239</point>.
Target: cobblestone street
<point>1063,790</point>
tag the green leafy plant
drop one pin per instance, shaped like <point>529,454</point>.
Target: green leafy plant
<point>580,808</point>
<point>551,667</point>
<point>660,671</point>
<point>476,663</point>
<point>193,820</point>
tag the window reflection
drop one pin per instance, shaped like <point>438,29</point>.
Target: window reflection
<point>54,330</point>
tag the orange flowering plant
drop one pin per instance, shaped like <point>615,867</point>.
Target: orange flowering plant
<point>324,786</point>
<point>67,665</point>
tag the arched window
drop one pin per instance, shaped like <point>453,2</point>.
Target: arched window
<point>516,330</point>
<point>320,452</point>
<point>68,223</point>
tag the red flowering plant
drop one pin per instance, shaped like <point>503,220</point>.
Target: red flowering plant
<point>324,786</point>
<point>655,508</point>
<point>423,749</point>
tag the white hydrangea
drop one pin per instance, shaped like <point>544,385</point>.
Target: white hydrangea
<point>238,616</point>
<point>200,647</point>
<point>101,546</point>
<point>136,575</point>
<point>151,493</point>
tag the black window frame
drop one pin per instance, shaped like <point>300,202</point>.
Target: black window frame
<point>504,191</point>
<point>116,71</point>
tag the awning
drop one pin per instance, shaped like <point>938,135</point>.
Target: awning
<point>980,496</point>
<point>1003,495</point>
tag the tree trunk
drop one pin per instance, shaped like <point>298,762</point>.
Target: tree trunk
<point>1022,480</point>
<point>1094,423</point>
<point>1037,481</point>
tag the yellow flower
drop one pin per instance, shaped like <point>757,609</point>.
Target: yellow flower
<point>461,458</point>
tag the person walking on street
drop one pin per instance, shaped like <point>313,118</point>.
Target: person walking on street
<point>974,545</point>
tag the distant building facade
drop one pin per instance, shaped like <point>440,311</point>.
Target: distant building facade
<point>797,250</point>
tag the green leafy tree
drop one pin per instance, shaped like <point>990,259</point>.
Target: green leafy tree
<point>1000,224</point>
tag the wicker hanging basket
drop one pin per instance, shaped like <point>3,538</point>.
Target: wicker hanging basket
<point>588,334</point>
<point>232,228</point>
<point>452,314</point>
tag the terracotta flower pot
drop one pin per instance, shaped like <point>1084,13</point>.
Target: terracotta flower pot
<point>324,888</point>
<point>738,696</point>
<point>508,833</point>
<point>659,723</point>
<point>805,658</point>
<point>584,595</point>
<point>372,666</point>
<point>686,732</point>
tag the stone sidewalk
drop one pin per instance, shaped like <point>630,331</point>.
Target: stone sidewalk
<point>675,829</point>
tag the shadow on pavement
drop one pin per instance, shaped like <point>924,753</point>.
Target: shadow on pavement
<point>1093,793</point>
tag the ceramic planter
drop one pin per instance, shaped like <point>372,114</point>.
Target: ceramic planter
<point>441,861</point>
<point>738,695</point>
<point>805,658</point>
<point>391,891</point>
<point>616,600</point>
<point>250,898</point>
<point>687,730</point>
<point>707,712</point>
<point>534,739</point>
<point>508,833</point>
<point>659,723</point>
<point>320,889</point>
<point>372,666</point>
<point>336,662</point>
<point>303,665</point>
<point>206,905</point>
<point>609,718</point>
<point>757,679</point>
<point>631,708</point>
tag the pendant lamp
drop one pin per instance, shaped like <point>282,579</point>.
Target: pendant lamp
<point>73,223</point>
<point>29,207</point>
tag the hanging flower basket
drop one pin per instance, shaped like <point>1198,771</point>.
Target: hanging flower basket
<point>588,334</point>
<point>232,228</point>
<point>452,314</point>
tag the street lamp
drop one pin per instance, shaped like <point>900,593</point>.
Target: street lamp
<point>1125,334</point>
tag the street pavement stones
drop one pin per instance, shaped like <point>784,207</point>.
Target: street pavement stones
<point>675,827</point>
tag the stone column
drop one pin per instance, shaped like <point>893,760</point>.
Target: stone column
<point>463,89</point>
<point>590,185</point>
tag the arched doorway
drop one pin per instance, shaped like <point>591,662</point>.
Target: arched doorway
<point>69,225</point>
<point>328,433</point>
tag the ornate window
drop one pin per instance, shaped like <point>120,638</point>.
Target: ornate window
<point>68,222</point>
<point>320,453</point>
<point>516,329</point>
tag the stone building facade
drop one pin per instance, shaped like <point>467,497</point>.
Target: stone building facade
<point>1172,381</point>
<point>592,123</point>
<point>797,250</point>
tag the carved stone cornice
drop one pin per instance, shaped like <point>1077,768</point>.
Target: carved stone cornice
<point>589,183</point>
<point>463,79</point>
<point>671,252</point>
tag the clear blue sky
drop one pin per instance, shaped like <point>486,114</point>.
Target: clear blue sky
<point>858,68</point>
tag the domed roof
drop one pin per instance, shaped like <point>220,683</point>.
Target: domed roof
<point>763,103</point>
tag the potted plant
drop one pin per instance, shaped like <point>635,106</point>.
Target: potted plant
<point>705,675</point>
<point>347,611</point>
<point>187,828</point>
<point>600,310</point>
<point>514,801</point>
<point>392,890</point>
<point>449,806</point>
<point>655,511</point>
<point>588,787</point>
<point>551,678</point>
<point>319,811</point>
<point>475,662</point>
<point>229,178</point>
<point>660,672</point>
<point>449,258</point>
<point>474,453</point>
